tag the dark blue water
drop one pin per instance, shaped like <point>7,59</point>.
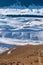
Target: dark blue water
<point>20,2</point>
<point>39,16</point>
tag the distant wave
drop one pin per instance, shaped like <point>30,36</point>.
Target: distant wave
<point>27,11</point>
<point>25,3</point>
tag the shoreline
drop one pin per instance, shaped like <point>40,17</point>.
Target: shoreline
<point>23,55</point>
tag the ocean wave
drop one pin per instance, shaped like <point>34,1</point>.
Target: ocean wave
<point>21,30</point>
<point>26,11</point>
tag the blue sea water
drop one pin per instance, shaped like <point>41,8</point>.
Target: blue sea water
<point>20,2</point>
<point>20,31</point>
<point>21,22</point>
<point>6,45</point>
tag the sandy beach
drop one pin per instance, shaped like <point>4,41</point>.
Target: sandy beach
<point>23,55</point>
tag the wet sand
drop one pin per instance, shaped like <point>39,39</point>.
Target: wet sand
<point>23,55</point>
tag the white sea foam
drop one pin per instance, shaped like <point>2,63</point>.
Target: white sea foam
<point>17,24</point>
<point>27,11</point>
<point>3,49</point>
<point>20,42</point>
<point>20,23</point>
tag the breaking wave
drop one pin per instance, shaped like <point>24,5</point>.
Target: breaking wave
<point>20,30</point>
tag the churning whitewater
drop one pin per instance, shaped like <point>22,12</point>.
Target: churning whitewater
<point>18,30</point>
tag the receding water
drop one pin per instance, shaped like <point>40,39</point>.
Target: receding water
<point>22,28</point>
<point>20,31</point>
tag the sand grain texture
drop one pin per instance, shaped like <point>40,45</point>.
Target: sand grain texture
<point>23,55</point>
